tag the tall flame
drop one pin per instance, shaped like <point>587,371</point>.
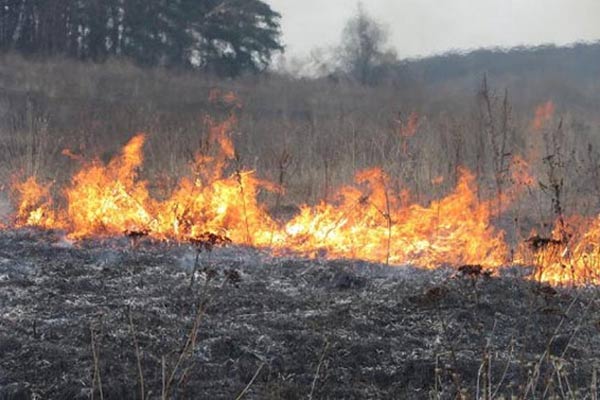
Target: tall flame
<point>109,200</point>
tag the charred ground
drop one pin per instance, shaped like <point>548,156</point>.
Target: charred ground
<point>75,320</point>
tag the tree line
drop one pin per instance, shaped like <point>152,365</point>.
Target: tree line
<point>228,37</point>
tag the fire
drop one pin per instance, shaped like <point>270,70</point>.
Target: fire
<point>367,220</point>
<point>212,201</point>
<point>543,114</point>
<point>438,180</point>
<point>409,128</point>
<point>521,172</point>
<point>35,205</point>
<point>571,254</point>
<point>370,223</point>
<point>109,200</point>
<point>226,206</point>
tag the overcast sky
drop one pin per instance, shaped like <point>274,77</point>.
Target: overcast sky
<point>424,27</point>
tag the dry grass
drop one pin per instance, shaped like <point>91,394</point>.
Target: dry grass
<point>308,135</point>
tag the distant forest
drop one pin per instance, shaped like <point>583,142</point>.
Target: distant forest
<point>226,37</point>
<point>229,38</point>
<point>573,71</point>
<point>579,60</point>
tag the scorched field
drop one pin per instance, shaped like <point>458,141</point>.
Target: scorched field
<point>431,257</point>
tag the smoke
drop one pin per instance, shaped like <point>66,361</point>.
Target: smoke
<point>425,27</point>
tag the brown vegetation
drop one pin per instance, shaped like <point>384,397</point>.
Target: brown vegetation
<point>307,135</point>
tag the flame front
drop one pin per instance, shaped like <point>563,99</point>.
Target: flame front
<point>367,220</point>
<point>34,205</point>
<point>372,224</point>
<point>109,200</point>
<point>570,255</point>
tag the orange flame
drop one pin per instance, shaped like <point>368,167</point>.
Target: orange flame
<point>570,255</point>
<point>521,172</point>
<point>34,205</point>
<point>367,220</point>
<point>371,224</point>
<point>109,200</point>
<point>409,128</point>
<point>543,114</point>
<point>438,180</point>
<point>106,200</point>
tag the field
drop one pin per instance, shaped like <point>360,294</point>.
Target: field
<point>166,234</point>
<point>108,319</point>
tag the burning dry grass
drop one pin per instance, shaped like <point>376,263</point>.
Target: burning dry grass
<point>375,224</point>
<point>367,221</point>
<point>429,189</point>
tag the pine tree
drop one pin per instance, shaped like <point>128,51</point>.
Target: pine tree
<point>224,36</point>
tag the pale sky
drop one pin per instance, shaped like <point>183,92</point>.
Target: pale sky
<point>424,27</point>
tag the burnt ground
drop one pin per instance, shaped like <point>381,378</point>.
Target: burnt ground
<point>75,320</point>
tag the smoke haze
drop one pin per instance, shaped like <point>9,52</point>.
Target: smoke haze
<point>425,27</point>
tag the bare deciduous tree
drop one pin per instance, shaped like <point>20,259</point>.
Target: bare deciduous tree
<point>362,44</point>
